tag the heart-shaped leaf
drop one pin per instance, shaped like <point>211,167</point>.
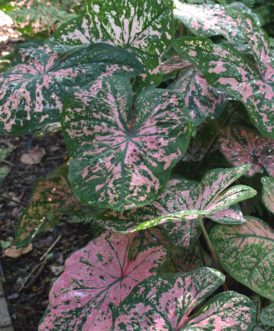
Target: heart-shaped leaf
<point>228,71</point>
<point>33,91</point>
<point>95,276</point>
<point>268,193</point>
<point>207,198</point>
<point>201,100</point>
<point>246,252</point>
<point>123,154</point>
<point>244,146</point>
<point>267,315</point>
<point>165,303</point>
<point>51,198</point>
<point>141,26</point>
<point>215,20</point>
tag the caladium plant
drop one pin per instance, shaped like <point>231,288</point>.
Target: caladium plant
<point>127,168</point>
<point>95,276</point>
<point>125,156</point>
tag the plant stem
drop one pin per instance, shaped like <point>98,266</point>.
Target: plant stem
<point>209,245</point>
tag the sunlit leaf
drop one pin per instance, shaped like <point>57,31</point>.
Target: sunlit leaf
<point>143,27</point>
<point>268,193</point>
<point>244,146</point>
<point>95,276</point>
<point>32,92</point>
<point>227,70</point>
<point>201,100</point>
<point>165,303</point>
<point>123,154</point>
<point>246,252</point>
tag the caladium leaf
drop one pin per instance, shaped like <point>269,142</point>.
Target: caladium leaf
<point>267,315</point>
<point>201,100</point>
<point>33,91</point>
<point>246,253</point>
<point>183,233</point>
<point>141,26</point>
<point>166,302</point>
<point>207,198</point>
<point>51,198</point>
<point>122,156</point>
<point>228,71</point>
<point>268,193</point>
<point>215,20</point>
<point>244,146</point>
<point>188,259</point>
<point>95,276</point>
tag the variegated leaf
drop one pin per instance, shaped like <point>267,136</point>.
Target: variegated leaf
<point>215,20</point>
<point>268,193</point>
<point>267,315</point>
<point>228,71</point>
<point>165,303</point>
<point>51,198</point>
<point>143,27</point>
<point>201,100</point>
<point>207,198</point>
<point>244,146</point>
<point>246,252</point>
<point>123,154</point>
<point>94,277</point>
<point>33,91</point>
<point>181,232</point>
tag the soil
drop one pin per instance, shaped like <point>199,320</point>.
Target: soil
<point>26,280</point>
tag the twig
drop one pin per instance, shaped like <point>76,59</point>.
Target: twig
<point>7,163</point>
<point>36,271</point>
<point>12,200</point>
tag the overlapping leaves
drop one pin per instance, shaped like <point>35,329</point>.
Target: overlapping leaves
<point>246,253</point>
<point>244,146</point>
<point>122,154</point>
<point>141,26</point>
<point>33,91</point>
<point>201,100</point>
<point>95,276</point>
<point>230,72</point>
<point>165,303</point>
<point>268,193</point>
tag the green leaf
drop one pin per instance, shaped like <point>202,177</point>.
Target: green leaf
<point>51,198</point>
<point>123,154</point>
<point>268,193</point>
<point>246,252</point>
<point>5,152</point>
<point>267,315</point>
<point>166,303</point>
<point>227,70</point>
<point>32,92</point>
<point>143,27</point>
<point>3,172</point>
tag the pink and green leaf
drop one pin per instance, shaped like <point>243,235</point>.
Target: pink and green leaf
<point>142,27</point>
<point>268,193</point>
<point>228,71</point>
<point>122,155</point>
<point>216,20</point>
<point>96,276</point>
<point>201,100</point>
<point>246,253</point>
<point>33,91</point>
<point>245,146</point>
<point>166,303</point>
